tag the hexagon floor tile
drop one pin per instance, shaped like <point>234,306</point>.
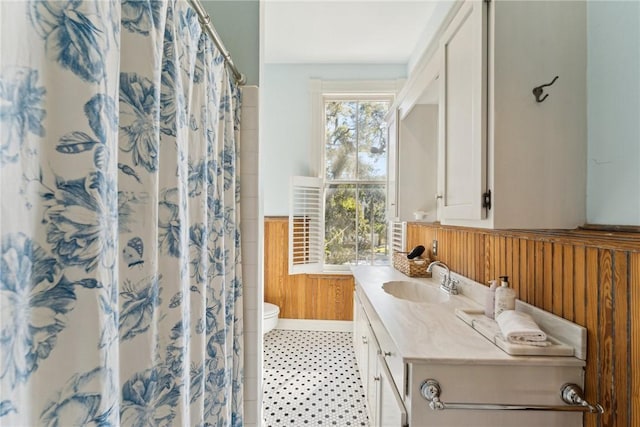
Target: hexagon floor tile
<point>310,379</point>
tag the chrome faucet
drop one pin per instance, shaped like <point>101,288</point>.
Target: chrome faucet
<point>447,284</point>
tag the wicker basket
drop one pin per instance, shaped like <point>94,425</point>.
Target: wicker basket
<point>416,267</point>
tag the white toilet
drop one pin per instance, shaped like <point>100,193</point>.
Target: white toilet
<point>270,319</point>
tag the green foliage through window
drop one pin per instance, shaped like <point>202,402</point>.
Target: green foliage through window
<point>355,177</point>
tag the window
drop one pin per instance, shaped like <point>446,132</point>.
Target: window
<point>355,181</point>
<point>339,218</point>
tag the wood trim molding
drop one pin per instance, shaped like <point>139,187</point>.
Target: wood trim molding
<point>604,239</point>
<point>615,228</point>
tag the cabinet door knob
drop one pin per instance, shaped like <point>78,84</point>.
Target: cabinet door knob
<point>387,353</point>
<point>438,196</point>
<point>364,340</point>
<point>376,378</point>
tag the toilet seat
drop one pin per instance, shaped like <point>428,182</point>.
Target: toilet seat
<point>271,310</point>
<point>270,317</point>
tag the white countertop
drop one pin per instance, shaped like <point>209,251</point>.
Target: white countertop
<point>431,331</point>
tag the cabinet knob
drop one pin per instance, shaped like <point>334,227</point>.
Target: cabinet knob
<point>387,353</point>
<point>438,196</point>
<point>364,340</point>
<point>376,378</point>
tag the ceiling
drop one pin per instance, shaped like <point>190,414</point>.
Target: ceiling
<point>349,31</point>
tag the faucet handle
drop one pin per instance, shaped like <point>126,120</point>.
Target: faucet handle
<point>452,285</point>
<point>444,278</point>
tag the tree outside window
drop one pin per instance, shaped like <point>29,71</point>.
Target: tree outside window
<point>355,163</point>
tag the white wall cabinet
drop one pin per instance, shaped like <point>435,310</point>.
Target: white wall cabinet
<point>494,134</point>
<point>463,113</point>
<point>413,161</point>
<point>392,165</point>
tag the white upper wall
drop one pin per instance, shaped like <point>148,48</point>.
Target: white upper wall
<point>345,31</point>
<point>613,91</point>
<point>286,121</point>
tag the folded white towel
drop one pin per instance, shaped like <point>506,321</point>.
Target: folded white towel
<point>520,328</point>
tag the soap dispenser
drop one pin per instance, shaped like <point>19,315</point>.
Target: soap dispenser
<point>490,304</point>
<point>505,297</point>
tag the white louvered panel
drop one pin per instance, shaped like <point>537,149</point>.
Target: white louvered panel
<point>398,236</point>
<point>306,225</point>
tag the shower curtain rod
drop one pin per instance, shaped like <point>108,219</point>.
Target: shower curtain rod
<point>205,21</point>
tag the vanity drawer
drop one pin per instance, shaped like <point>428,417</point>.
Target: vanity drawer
<point>494,384</point>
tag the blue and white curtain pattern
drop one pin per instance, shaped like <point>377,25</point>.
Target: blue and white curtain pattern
<point>120,278</point>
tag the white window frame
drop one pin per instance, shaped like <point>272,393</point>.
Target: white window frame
<point>322,91</point>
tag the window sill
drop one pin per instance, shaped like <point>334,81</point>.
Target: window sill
<point>332,273</point>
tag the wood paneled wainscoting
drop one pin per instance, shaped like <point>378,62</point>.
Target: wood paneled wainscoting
<point>301,296</point>
<point>591,278</point>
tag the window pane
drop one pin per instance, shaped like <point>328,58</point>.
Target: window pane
<point>355,225</point>
<point>355,151</point>
<point>340,139</point>
<point>340,224</point>
<point>372,139</point>
<point>372,226</point>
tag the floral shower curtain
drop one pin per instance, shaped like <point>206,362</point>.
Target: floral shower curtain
<point>120,284</point>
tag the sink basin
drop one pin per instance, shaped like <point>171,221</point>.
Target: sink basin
<point>415,291</point>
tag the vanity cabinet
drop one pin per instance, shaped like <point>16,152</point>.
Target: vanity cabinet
<point>494,135</point>
<point>384,402</point>
<point>402,344</point>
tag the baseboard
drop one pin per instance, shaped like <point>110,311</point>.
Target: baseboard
<point>315,325</point>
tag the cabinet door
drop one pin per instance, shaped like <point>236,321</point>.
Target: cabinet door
<point>391,410</point>
<point>361,341</point>
<point>392,166</point>
<point>463,113</point>
<point>373,380</point>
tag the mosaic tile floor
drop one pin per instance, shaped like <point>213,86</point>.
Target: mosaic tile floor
<point>310,379</point>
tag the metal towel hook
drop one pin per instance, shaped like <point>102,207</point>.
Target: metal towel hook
<point>538,90</point>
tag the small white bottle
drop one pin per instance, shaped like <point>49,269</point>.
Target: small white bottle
<point>505,297</point>
<point>490,307</point>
